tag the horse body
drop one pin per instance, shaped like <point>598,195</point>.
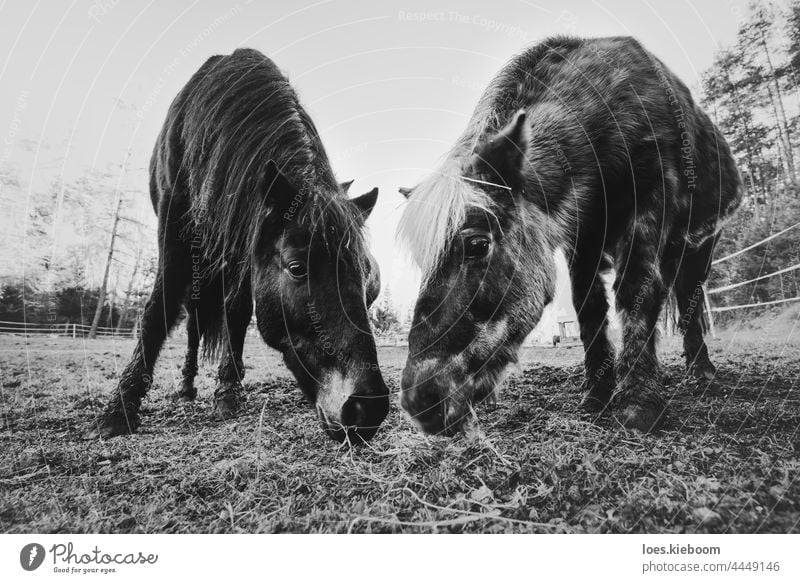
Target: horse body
<point>592,146</point>
<point>249,210</point>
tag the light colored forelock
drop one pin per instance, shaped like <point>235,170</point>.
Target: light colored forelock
<point>435,212</point>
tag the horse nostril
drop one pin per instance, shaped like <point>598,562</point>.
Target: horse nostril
<point>418,395</point>
<point>354,413</point>
<point>426,406</point>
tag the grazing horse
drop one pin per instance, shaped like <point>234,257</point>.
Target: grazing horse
<point>588,145</point>
<point>249,209</point>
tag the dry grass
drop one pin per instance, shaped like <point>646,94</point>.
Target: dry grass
<point>726,461</point>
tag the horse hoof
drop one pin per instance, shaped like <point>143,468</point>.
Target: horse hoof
<point>115,425</point>
<point>593,403</point>
<point>706,372</point>
<point>596,395</point>
<point>639,418</point>
<point>185,395</point>
<point>227,406</point>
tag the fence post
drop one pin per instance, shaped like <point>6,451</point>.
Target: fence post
<point>74,331</point>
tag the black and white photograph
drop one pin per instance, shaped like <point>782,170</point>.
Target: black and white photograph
<point>341,267</point>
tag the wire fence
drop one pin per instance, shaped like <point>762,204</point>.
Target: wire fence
<point>741,283</point>
<point>729,287</point>
<point>739,307</point>
<point>754,245</point>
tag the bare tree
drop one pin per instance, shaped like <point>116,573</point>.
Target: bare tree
<point>754,34</point>
<point>101,298</point>
<point>127,305</point>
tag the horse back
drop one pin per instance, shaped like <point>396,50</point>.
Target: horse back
<point>167,177</point>
<point>235,114</point>
<point>614,133</point>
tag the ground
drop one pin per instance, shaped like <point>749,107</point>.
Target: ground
<point>726,460</point>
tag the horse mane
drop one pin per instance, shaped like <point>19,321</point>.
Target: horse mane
<point>240,113</point>
<point>434,213</point>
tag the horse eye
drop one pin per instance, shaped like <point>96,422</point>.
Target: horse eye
<point>297,269</point>
<point>476,246</point>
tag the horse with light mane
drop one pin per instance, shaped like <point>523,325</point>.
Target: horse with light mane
<point>592,146</point>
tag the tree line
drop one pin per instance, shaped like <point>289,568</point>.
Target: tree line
<point>751,90</point>
<point>82,255</point>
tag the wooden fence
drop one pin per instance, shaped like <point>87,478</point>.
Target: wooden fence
<point>63,330</point>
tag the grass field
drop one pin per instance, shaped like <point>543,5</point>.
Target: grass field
<point>726,460</point>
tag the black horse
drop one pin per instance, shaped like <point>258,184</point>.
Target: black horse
<point>592,146</point>
<point>249,208</point>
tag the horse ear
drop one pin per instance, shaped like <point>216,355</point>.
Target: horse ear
<point>282,198</point>
<point>405,191</point>
<point>366,202</point>
<point>345,186</point>
<point>505,153</point>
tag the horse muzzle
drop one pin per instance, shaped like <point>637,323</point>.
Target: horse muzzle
<point>438,406</point>
<point>352,411</point>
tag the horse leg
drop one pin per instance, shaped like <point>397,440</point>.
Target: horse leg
<point>227,396</point>
<point>591,306</point>
<point>640,294</point>
<point>121,414</point>
<point>188,391</point>
<point>692,274</point>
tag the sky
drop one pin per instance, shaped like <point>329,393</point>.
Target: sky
<point>390,85</point>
